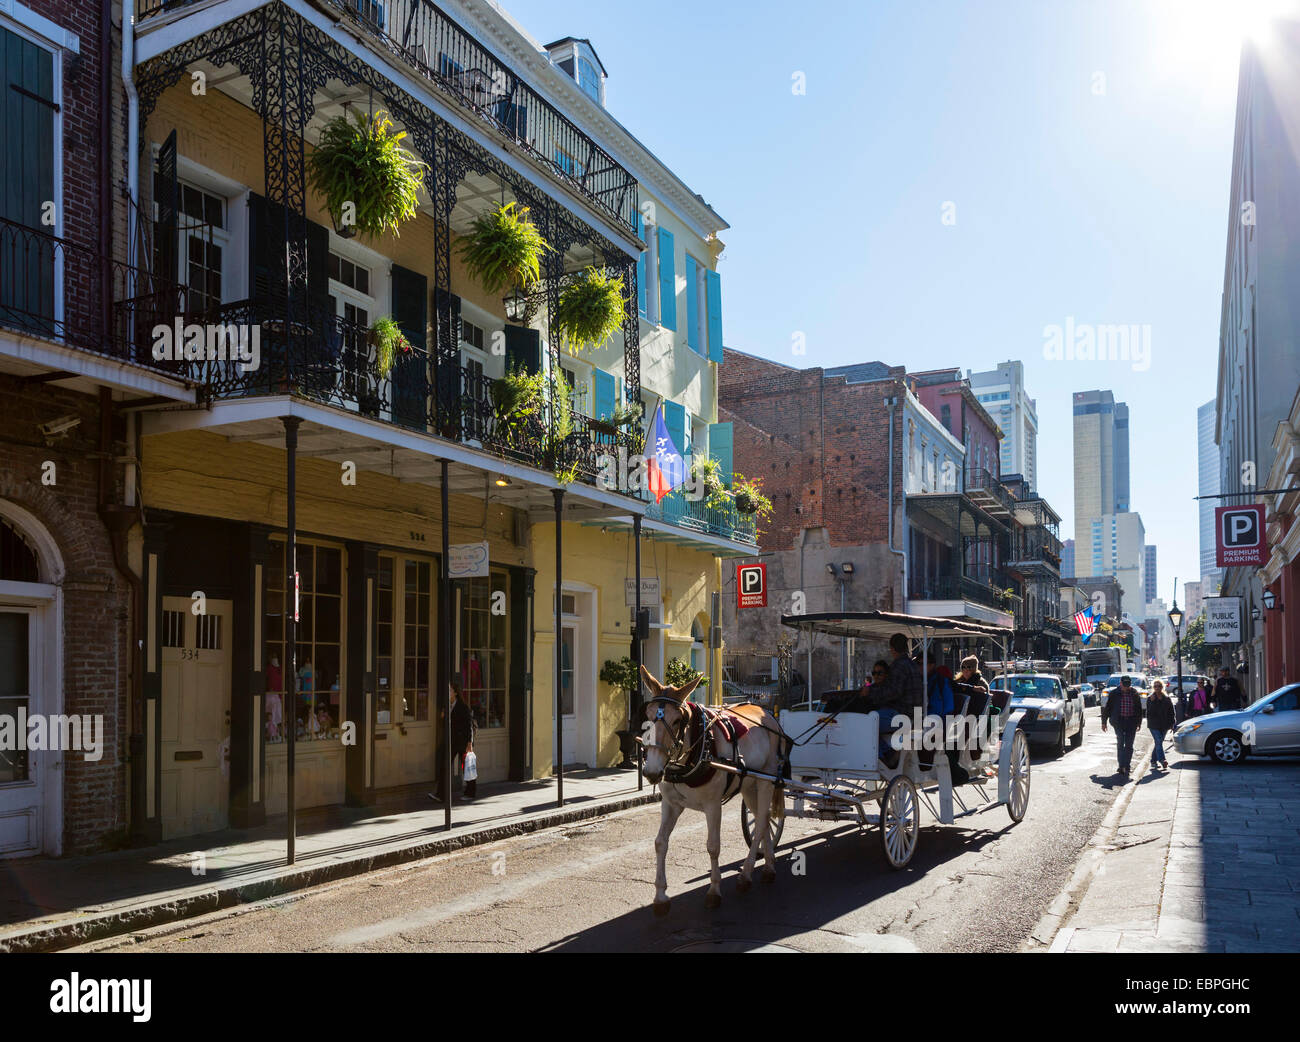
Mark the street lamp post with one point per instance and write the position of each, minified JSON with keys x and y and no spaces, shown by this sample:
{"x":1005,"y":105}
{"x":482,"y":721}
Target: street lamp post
{"x":1176,"y":620}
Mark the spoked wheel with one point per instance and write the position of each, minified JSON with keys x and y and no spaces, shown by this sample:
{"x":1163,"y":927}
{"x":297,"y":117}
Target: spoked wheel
{"x":775,"y":822}
{"x":900,"y":821}
{"x":1018,"y":797}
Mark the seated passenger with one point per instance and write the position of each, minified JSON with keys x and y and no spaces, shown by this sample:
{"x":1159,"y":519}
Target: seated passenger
{"x":902,"y":694}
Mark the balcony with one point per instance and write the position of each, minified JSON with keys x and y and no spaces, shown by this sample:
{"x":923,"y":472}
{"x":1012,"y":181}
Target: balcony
{"x":698,"y":516}
{"x":989,"y":493}
{"x":978,"y":588}
{"x":435,"y":47}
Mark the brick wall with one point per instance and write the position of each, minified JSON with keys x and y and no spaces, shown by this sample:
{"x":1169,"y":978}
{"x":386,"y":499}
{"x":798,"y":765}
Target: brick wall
{"x":819,"y":444}
{"x":95,"y":597}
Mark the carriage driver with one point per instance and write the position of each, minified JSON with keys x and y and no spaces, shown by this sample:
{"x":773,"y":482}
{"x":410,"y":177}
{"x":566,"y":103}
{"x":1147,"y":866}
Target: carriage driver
{"x":903,"y":693}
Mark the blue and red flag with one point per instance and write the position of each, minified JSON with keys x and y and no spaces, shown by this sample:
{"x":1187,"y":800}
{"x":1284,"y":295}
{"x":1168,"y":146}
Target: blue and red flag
{"x":1086,"y":621}
{"x":665,"y":468}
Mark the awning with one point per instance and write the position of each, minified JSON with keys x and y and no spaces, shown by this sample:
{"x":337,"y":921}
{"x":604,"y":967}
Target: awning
{"x":881,"y":625}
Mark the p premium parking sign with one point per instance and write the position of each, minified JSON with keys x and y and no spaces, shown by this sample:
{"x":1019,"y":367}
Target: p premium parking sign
{"x":751,"y":586}
{"x":1239,"y":536}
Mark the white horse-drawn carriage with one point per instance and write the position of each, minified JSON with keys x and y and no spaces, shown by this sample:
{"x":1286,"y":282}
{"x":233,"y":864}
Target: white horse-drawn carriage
{"x":830,"y":765}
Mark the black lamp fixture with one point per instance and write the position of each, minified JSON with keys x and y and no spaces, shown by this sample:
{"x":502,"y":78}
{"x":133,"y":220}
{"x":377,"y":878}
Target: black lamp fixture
{"x":1254,"y":614}
{"x":1175,"y":616}
{"x":516,"y":305}
{"x":1269,"y":599}
{"x":847,"y":567}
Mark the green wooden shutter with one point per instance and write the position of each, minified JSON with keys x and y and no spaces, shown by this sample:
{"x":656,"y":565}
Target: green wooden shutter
{"x":523,"y":349}
{"x":667,"y":281}
{"x":410,"y":374}
{"x":26,"y":182}
{"x":720,"y":442}
{"x":166,"y":196}
{"x":713,"y":285}
{"x":318,"y":277}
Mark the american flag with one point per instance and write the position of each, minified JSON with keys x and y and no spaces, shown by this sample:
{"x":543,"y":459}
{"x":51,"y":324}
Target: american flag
{"x":1086,"y":621}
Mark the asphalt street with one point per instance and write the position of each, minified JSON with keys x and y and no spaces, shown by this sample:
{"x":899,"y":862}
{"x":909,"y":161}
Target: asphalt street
{"x":978,"y":885}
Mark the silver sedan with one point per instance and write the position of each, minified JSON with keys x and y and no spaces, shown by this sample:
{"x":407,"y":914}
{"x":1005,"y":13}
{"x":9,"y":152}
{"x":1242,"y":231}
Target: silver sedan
{"x":1269,"y":726}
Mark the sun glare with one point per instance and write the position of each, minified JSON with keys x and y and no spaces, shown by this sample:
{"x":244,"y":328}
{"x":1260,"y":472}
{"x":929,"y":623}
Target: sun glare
{"x":1197,"y":43}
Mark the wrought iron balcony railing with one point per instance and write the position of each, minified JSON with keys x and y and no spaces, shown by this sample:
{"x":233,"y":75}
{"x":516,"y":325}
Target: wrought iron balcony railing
{"x":423,"y":36}
{"x":980,"y":588}
{"x":61,"y":291}
{"x":989,"y":492}
{"x":698,"y":516}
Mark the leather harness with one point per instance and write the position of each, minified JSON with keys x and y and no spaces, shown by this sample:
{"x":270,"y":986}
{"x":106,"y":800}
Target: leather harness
{"x":697,"y":735}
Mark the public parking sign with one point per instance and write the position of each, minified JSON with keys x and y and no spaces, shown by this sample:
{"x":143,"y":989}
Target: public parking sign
{"x":751,"y":586}
{"x":1240,"y":535}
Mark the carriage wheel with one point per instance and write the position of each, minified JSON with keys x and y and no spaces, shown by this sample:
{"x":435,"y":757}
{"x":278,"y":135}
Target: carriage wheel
{"x":775,"y":823}
{"x":900,"y":821}
{"x":1018,"y":797}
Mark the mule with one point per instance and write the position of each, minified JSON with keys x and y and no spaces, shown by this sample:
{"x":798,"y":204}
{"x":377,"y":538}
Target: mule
{"x":674,"y":735}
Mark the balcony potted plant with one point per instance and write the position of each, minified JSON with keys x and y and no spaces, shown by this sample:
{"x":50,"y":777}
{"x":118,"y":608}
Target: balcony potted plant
{"x":369,"y":180}
{"x":504,"y":249}
{"x":387,"y":339}
{"x":748,"y":497}
{"x":622,"y":416}
{"x":590,"y":310}
{"x":707,"y":471}
{"x":560,"y":428}
{"x":517,"y":400}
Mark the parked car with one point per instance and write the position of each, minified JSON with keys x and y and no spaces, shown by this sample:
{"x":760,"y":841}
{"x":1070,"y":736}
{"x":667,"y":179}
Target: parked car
{"x":1185,"y":684}
{"x":1269,"y":726}
{"x":1052,"y":714}
{"x":1112,"y":682}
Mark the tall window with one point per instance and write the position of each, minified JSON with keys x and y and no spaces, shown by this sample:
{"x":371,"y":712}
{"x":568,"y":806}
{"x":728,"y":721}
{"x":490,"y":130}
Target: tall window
{"x":404,"y":641}
{"x":319,"y":708}
{"x":484,"y":642}
{"x":202,"y":241}
{"x":589,"y":79}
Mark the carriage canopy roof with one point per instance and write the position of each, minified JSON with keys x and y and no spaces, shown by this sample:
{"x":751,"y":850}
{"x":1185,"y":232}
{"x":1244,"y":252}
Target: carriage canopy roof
{"x":881,"y":625}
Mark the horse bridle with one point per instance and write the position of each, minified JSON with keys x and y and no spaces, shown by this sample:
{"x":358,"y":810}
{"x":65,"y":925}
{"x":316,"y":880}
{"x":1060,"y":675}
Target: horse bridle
{"x":679,"y":735}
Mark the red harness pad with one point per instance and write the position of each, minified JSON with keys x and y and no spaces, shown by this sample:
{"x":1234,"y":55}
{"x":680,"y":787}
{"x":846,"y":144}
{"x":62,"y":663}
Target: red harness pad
{"x":733,"y":727}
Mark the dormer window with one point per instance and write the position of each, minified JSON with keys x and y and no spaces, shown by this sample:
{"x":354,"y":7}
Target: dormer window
{"x":589,"y":79}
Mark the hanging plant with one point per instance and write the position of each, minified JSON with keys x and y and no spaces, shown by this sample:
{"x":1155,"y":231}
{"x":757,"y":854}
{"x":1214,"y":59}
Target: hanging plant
{"x":517,"y":400}
{"x":364,"y":173}
{"x":748,"y":497}
{"x":590,"y":309}
{"x":388,"y":340}
{"x":504,"y":249}
{"x":625,"y":415}
{"x":706,"y":473}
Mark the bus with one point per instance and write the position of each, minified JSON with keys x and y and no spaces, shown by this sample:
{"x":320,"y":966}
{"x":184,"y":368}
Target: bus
{"x":1100,"y":663}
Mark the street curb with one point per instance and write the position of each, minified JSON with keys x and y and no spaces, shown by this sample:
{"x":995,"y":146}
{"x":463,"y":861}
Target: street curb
{"x":1051,"y":932}
{"x":55,"y":936}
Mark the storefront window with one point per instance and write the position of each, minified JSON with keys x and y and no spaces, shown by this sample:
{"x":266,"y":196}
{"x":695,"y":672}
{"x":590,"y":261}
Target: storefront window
{"x":319,"y":633}
{"x":484,"y":664}
{"x":415,"y":647}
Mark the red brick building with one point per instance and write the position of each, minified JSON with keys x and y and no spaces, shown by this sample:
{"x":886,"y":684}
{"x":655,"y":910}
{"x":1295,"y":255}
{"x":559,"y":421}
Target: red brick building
{"x":67,"y":378}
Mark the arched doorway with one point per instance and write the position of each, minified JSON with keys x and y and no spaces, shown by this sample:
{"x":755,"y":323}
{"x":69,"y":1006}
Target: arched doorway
{"x":31,"y":684}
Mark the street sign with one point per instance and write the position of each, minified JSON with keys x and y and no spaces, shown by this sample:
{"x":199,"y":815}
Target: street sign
{"x":1222,"y":620}
{"x":649,"y":592}
{"x":1239,"y":536}
{"x":751,"y":586}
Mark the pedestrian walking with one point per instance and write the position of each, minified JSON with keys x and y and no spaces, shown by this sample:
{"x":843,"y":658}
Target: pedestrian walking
{"x":1160,"y":720}
{"x":1227,"y":692}
{"x":1200,"y":700}
{"x":1124,"y":710}
{"x":462,"y":734}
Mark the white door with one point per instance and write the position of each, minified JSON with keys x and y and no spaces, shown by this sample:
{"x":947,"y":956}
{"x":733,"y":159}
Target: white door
{"x":195,"y":717}
{"x":20,"y":778}
{"x":568,"y":693}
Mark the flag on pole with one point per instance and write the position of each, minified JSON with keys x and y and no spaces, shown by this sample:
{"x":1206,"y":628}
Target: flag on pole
{"x":1086,"y":621}
{"x":666,"y":469}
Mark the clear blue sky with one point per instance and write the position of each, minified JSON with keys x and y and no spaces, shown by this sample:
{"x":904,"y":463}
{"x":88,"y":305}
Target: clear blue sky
{"x":1101,"y":207}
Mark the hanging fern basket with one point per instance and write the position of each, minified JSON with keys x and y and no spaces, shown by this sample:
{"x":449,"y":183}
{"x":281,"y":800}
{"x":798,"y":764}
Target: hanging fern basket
{"x":369,"y":180}
{"x":388,"y":341}
{"x":504,"y":249}
{"x":590,"y":309}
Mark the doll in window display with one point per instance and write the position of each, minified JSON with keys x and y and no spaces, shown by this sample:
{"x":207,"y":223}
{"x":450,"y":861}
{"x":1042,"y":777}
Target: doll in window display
{"x":274,"y":701}
{"x":306,"y":719}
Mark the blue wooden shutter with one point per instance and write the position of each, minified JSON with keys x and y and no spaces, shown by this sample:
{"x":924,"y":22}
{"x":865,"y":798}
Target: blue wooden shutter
{"x":692,"y":303}
{"x":675,"y":421}
{"x":605,"y":393}
{"x":640,"y":269}
{"x":720,"y":448}
{"x":667,"y":281}
{"x":714,"y":286}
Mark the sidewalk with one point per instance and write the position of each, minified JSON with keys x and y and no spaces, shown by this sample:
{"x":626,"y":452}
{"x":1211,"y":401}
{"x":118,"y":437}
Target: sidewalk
{"x":52,"y":903}
{"x":1203,"y":858}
